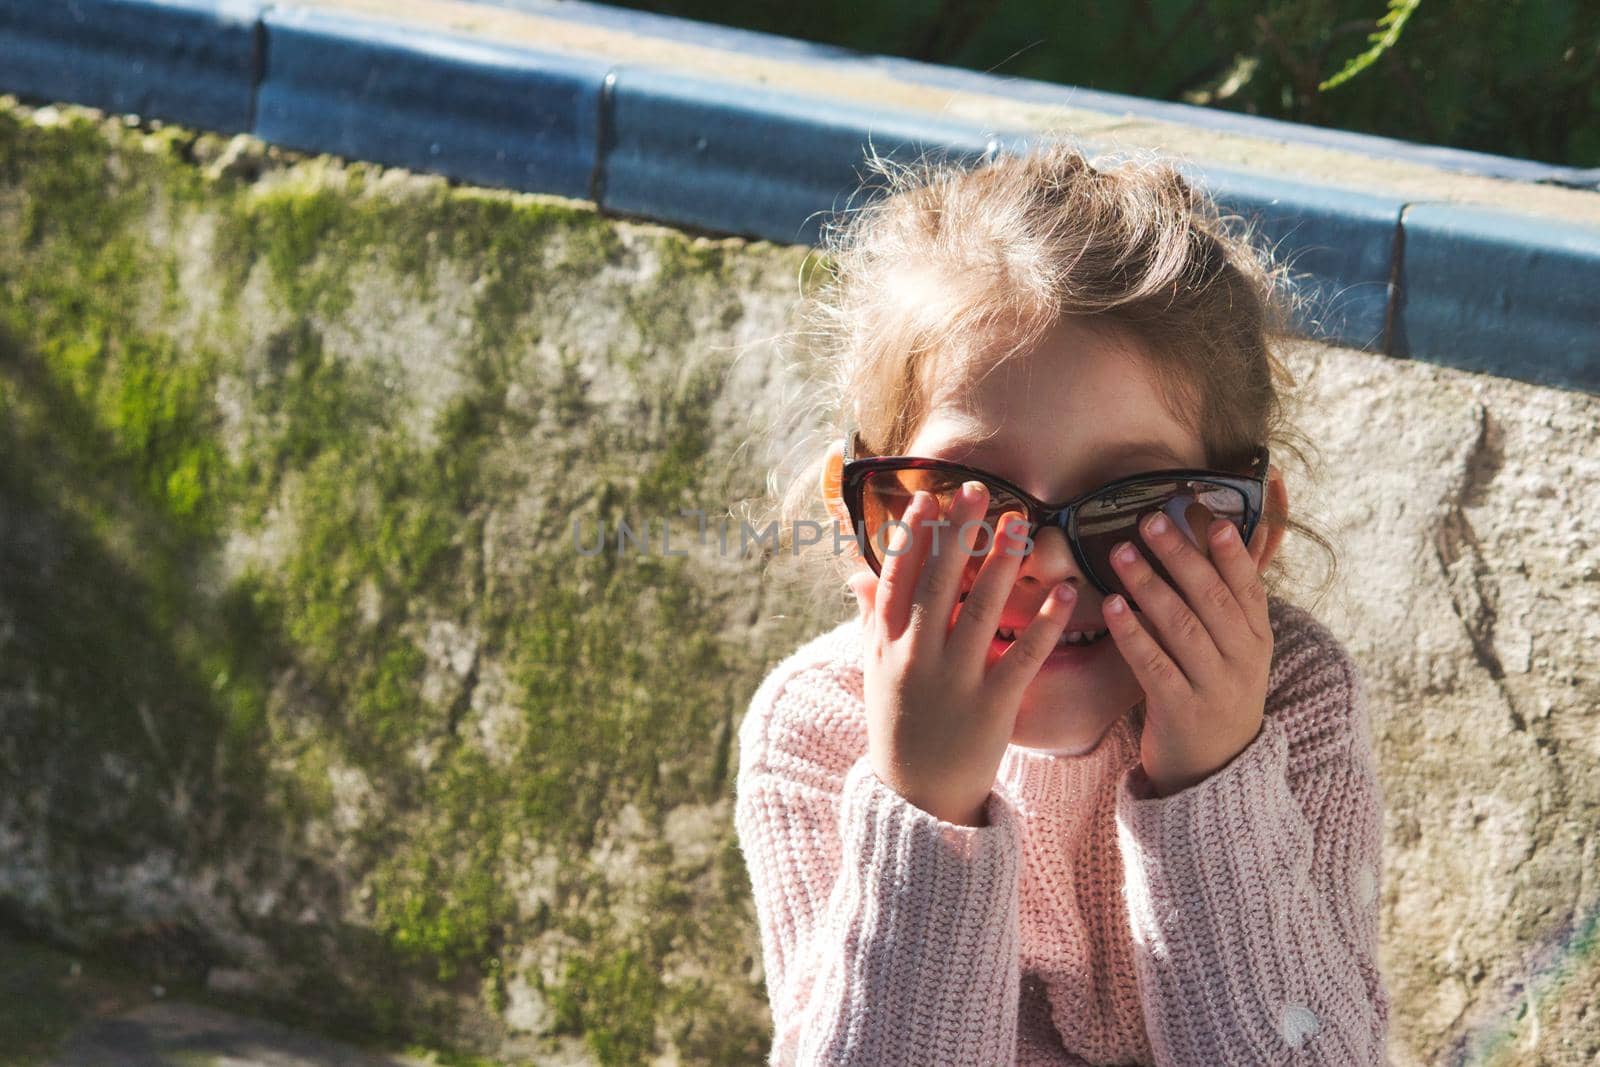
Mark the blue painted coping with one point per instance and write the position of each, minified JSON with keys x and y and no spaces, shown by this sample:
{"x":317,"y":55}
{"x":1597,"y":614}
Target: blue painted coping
{"x":726,"y":157}
{"x":754,"y":42}
{"x":1499,"y":293}
{"x":1338,"y":245}
{"x":187,"y":61}
{"x":483,"y":113}
{"x":721,"y":157}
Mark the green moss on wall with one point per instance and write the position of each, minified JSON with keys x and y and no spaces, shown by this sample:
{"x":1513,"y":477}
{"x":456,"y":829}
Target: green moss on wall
{"x":247,"y":516}
{"x":612,"y":1002}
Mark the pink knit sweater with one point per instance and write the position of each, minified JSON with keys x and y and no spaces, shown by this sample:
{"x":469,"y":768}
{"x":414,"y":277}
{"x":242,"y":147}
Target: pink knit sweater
{"x":1234,"y":922}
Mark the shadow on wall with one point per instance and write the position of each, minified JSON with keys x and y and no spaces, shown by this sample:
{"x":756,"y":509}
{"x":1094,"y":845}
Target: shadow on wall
{"x":137,"y":735}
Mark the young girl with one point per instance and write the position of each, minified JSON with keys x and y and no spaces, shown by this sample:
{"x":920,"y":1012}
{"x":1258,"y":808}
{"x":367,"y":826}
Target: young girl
{"x":1072,"y":788}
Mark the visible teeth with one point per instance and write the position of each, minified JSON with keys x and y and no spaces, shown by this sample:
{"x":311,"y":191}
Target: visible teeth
{"x":1076,"y":637}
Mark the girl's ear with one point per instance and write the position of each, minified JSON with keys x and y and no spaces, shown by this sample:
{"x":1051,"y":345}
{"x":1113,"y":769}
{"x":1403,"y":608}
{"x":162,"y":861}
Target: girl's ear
{"x":833,"y":484}
{"x":1270,"y":530}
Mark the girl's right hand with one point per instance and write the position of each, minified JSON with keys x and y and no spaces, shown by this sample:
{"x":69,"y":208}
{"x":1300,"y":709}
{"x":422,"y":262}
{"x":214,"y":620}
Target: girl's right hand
{"x":939,"y":716}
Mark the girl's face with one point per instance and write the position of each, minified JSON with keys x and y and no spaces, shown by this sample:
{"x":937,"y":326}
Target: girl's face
{"x":1079,"y":410}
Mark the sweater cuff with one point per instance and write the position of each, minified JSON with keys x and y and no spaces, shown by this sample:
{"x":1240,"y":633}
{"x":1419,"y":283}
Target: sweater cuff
{"x":1235,"y":943}
{"x":1209,"y":867}
{"x":1215,"y":832}
{"x":933,"y":941}
{"x":917,"y":853}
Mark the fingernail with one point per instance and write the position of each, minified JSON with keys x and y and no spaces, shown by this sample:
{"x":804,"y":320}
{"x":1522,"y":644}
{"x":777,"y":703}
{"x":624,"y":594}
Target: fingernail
{"x":1159,"y":524}
{"x":1125,"y":553}
{"x":1115,"y":605}
{"x":1064,"y":592}
{"x":1225,"y":533}
{"x":972,"y":489}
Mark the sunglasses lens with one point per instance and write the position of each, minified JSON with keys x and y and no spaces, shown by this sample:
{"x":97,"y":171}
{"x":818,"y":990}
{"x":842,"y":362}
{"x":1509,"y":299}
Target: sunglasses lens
{"x":1107,"y":520}
{"x":886,"y":494}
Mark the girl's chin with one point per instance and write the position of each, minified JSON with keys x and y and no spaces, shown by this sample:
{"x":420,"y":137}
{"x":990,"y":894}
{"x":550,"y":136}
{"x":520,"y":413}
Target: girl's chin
{"x":1074,"y":698}
{"x":1063,"y":732}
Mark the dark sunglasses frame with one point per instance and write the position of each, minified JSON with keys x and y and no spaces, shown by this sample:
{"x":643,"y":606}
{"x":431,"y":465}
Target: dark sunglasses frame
{"x":1252,"y":487}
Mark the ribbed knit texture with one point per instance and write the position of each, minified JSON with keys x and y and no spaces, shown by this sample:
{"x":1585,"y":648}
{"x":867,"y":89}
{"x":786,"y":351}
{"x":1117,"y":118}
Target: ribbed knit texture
{"x":1234,"y":922}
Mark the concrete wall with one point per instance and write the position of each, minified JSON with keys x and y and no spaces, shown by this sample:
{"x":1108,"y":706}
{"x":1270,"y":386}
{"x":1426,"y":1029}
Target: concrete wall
{"x":306,"y":697}
{"x":1471,"y":599}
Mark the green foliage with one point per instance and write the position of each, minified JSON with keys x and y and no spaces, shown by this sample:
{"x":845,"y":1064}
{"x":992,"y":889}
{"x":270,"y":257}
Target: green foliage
{"x":1515,"y":77}
{"x":1388,"y":33}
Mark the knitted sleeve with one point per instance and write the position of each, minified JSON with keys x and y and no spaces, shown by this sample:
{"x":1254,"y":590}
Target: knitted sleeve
{"x":1253,"y":895}
{"x":888,"y":936}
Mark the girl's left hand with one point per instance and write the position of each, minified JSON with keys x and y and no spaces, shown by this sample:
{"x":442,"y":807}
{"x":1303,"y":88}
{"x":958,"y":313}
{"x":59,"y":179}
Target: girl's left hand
{"x":1204,"y":670}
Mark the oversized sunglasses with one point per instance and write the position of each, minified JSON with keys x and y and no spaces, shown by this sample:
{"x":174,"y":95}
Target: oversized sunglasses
{"x":877,"y":490}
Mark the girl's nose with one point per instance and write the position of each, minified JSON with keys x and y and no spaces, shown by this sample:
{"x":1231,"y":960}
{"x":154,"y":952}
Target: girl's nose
{"x":1051,"y":561}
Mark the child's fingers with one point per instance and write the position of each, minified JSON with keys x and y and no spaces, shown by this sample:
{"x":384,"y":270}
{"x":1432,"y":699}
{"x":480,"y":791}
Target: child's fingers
{"x":1180,"y":629}
{"x":1017,"y":667}
{"x":1238,"y":569}
{"x":940,"y":581}
{"x":902,"y":562}
{"x":980,"y":612}
{"x":1208,"y":595}
{"x":1163,"y":683}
